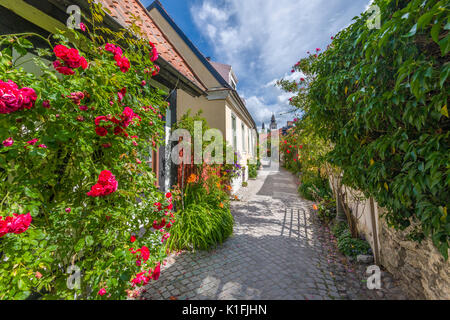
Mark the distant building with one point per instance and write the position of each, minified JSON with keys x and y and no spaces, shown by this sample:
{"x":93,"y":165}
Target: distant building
{"x":220,"y":102}
{"x":289,"y":125}
{"x":273,"y":123}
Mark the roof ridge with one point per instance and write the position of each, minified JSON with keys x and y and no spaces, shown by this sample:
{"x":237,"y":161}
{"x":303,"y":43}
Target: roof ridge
{"x":157,"y":4}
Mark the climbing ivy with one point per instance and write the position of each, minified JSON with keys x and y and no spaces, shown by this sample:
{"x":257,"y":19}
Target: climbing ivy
{"x":380,"y":97}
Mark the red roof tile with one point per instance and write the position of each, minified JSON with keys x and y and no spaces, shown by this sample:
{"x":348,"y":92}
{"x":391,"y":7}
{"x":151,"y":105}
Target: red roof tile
{"x":123,"y":10}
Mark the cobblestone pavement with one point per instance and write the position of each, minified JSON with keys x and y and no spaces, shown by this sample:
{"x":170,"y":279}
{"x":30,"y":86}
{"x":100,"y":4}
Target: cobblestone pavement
{"x":278,"y":251}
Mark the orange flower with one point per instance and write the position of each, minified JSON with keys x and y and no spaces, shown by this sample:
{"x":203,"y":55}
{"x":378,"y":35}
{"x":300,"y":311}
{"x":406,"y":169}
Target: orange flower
{"x":221,"y":205}
{"x":218,"y":185}
{"x":236,"y":198}
{"x":228,"y":187}
{"x":192,"y":178}
{"x":315,"y":207}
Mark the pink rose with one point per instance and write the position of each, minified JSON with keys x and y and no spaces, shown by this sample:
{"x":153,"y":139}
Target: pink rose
{"x":32,"y":142}
{"x":102,"y":292}
{"x":8,"y":142}
{"x":46,"y":104}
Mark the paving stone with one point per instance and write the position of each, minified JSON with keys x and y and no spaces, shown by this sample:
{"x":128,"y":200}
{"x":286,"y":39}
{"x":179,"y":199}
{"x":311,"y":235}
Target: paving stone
{"x":269,"y":256}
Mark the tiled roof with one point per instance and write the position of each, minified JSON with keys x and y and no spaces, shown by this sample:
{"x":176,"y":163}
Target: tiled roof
{"x":223,"y":69}
{"x":122,"y":10}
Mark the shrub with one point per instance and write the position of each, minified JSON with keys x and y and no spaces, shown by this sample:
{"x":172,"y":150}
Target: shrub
{"x":326,"y":210}
{"x":201,"y":226}
{"x":313,"y":187}
{"x":252,"y":171}
{"x":339,"y":228}
{"x":352,"y":246}
{"x":72,"y":157}
{"x":206,"y":219}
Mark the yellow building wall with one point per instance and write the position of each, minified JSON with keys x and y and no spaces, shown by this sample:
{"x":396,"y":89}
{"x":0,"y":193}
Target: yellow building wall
{"x":213,"y":111}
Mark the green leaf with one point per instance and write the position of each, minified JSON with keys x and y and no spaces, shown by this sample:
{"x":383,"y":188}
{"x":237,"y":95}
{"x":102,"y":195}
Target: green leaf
{"x":424,"y":19}
{"x":79,"y":246}
{"x":89,"y":241}
{"x":412,"y":32}
{"x":447,"y":26}
{"x":31,"y":193}
{"x":126,"y":276}
{"x":443,"y":249}
{"x":24,"y":43}
{"x":444,"y":111}
{"x":444,"y":44}
{"x":20,"y":50}
{"x":444,"y":74}
{"x":22,"y":285}
{"x":435,"y":32}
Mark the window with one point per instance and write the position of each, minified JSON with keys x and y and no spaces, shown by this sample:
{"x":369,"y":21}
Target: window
{"x":153,"y":162}
{"x":249,"y":149}
{"x":243,"y":138}
{"x":233,"y":127}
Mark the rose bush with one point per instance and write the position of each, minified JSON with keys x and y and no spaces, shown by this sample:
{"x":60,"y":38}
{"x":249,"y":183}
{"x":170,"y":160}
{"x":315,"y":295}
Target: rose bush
{"x":73,"y":188}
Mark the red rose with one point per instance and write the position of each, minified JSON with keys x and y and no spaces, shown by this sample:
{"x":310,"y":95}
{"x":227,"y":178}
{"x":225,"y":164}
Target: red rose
{"x":100,"y":118}
{"x":156,"y":272}
{"x":156,"y":71}
{"x":20,"y":223}
{"x":145,"y":253}
{"x":61,"y":51}
{"x":46,"y":104}
{"x":101,"y":131}
{"x":65,"y":71}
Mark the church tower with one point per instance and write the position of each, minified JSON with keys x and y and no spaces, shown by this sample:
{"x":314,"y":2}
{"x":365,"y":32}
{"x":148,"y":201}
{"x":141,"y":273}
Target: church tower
{"x":273,"y":123}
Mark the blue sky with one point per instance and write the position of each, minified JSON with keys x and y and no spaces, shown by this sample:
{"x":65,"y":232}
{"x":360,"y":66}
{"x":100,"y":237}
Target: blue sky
{"x":262,"y":39}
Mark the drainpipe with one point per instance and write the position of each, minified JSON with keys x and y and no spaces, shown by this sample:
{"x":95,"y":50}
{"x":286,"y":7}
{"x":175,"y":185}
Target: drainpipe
{"x":340,"y":213}
{"x":376,"y":252}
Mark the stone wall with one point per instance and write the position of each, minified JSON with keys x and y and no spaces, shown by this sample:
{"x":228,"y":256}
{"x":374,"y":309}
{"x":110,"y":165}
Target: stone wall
{"x":421,"y":268}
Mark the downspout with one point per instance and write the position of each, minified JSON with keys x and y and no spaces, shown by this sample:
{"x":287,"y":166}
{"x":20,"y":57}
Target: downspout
{"x":376,"y":252}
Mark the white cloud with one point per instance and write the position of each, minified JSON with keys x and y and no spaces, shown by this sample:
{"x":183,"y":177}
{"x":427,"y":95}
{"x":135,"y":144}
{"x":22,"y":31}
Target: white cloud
{"x":263,"y":39}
